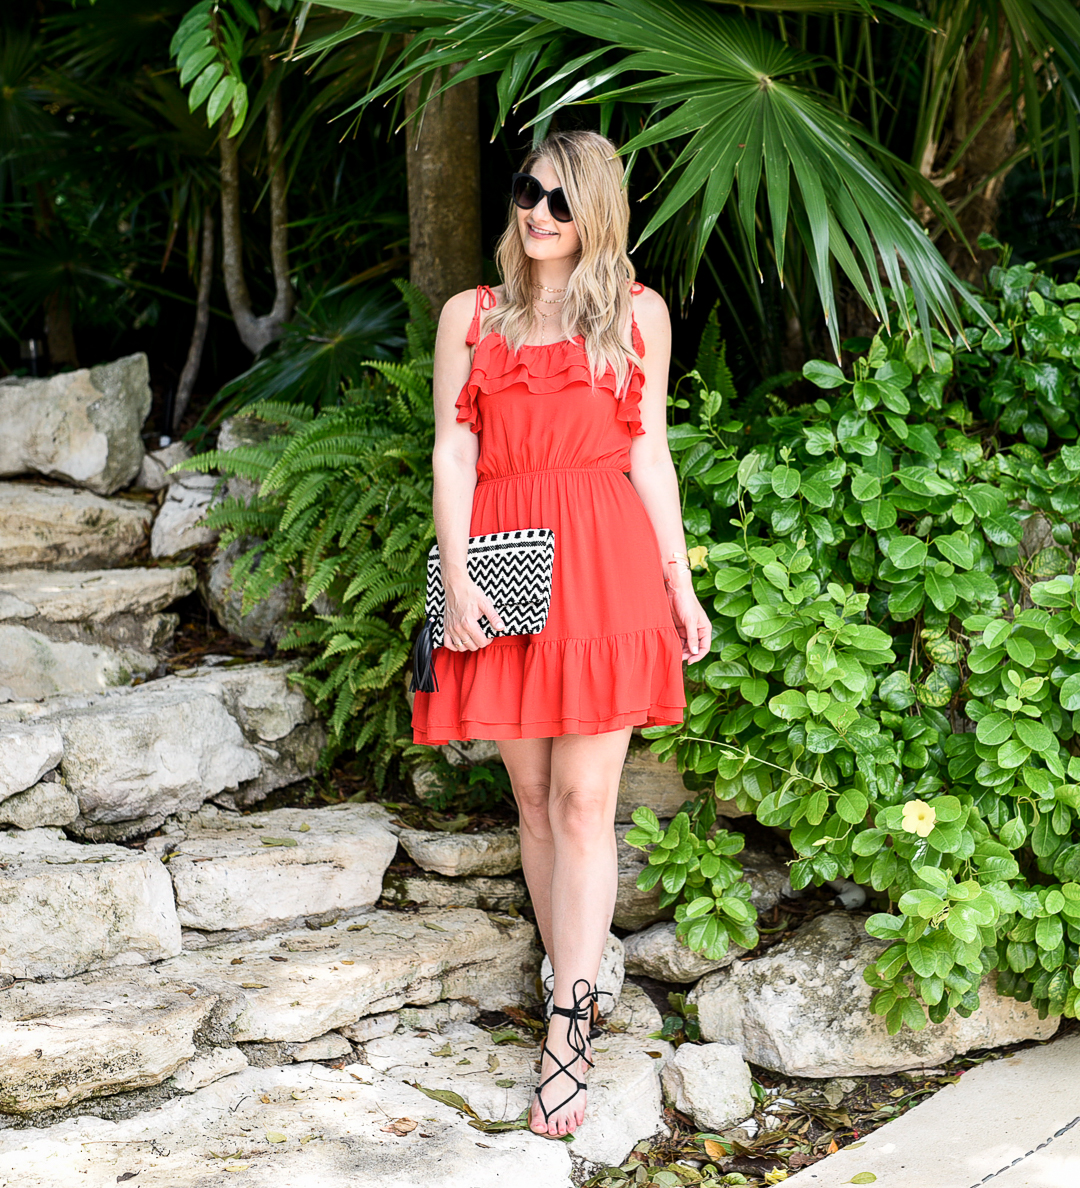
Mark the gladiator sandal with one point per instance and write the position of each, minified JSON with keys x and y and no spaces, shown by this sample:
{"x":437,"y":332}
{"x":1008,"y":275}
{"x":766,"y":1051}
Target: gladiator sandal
{"x":595,"y":1029}
{"x":581,"y":1012}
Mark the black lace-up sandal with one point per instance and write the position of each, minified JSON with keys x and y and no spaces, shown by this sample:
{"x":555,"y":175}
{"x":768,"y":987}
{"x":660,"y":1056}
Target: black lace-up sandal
{"x":596,"y":1029}
{"x":580,"y":1013}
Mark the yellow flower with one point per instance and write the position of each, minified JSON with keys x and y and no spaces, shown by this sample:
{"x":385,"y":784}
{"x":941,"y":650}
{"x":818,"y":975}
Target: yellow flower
{"x":919,"y":817}
{"x":697,"y":555}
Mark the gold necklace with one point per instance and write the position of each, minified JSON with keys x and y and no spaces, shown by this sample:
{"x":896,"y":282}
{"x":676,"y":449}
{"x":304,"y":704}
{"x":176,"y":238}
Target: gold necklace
{"x":546,"y":288}
{"x":545,"y":316}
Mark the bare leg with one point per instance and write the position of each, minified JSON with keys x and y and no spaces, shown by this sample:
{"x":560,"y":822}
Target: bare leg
{"x":584,"y":780}
{"x":528,"y":763}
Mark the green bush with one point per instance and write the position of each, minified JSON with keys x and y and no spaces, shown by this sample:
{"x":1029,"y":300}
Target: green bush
{"x":344,"y":507}
{"x":893,"y":679}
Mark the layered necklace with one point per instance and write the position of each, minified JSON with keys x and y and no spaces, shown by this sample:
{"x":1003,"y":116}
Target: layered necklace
{"x":546,"y":301}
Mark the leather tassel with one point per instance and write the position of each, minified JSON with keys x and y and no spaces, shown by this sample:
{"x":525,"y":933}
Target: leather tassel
{"x":423,"y":663}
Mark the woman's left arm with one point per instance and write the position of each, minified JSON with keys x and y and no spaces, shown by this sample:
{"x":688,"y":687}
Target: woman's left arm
{"x":653,"y":474}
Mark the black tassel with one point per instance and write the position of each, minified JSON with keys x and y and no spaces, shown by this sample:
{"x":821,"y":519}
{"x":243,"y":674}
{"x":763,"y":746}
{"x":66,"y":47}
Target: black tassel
{"x":423,"y":663}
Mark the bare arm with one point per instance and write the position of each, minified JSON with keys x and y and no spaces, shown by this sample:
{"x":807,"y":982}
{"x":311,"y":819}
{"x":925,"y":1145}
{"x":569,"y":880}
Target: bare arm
{"x":653,"y":474}
{"x":453,"y":463}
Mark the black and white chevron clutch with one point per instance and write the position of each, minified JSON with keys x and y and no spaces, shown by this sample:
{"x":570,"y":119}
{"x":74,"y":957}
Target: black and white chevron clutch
{"x":513,"y":569}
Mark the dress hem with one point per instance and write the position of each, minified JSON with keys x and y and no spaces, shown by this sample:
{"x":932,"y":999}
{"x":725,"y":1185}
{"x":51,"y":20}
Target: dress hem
{"x":492,"y":731}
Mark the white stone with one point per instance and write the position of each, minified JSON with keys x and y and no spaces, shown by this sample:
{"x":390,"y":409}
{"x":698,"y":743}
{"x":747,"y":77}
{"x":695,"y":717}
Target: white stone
{"x":1007,"y":1123}
{"x":431,"y":890}
{"x":635,"y":1014}
{"x":342,"y":1113}
{"x":117,"y":607}
{"x":33,"y":667}
{"x":658,"y":953}
{"x":645,"y":781}
{"x":95,"y":1034}
{"x":609,"y":978}
{"x":709,"y":1083}
{"x":803,"y":1010}
{"x":375,"y":1026}
{"x":47,"y":803}
{"x":267,"y":705}
{"x":330,"y":1046}
{"x":228,"y":874}
{"x":624,"y":1102}
{"x":66,"y":907}
{"x":434,"y":1017}
{"x":493,"y":852}
{"x":154,"y":473}
{"x":208,"y":1067}
{"x":336,"y":975}
{"x":80,"y":426}
{"x":465,"y":754}
{"x":68,"y":529}
{"x":179,"y":525}
{"x":27,"y":751}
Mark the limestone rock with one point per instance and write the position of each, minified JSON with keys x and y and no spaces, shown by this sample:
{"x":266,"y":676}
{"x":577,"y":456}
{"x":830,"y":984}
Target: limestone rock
{"x":375,"y":1026}
{"x":80,"y":426}
{"x":173,"y":1146}
{"x":646,"y":781}
{"x":767,"y":876}
{"x":657,"y":953}
{"x":46,"y":803}
{"x":803,"y":1010}
{"x":609,"y":978}
{"x":33,"y":667}
{"x":434,"y":1017}
{"x":498,"y":1082}
{"x":465,"y":754}
{"x":494,"y":852}
{"x":332,"y":977}
{"x":330,"y":1046}
{"x":154,"y":473}
{"x":709,"y":1083}
{"x":208,"y":1067}
{"x":120,"y":608}
{"x":95,"y":1034}
{"x":635,"y":1014}
{"x":267,"y":621}
{"x":66,"y":908}
{"x":67,"y":529}
{"x":431,"y":890}
{"x":234,"y":872}
{"x":27,"y":751}
{"x":179,"y":525}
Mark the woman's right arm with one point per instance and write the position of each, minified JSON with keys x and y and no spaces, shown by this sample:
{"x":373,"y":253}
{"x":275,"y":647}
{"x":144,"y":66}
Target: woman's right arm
{"x":453,"y":463}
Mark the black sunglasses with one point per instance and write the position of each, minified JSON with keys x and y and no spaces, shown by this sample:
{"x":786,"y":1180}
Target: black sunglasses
{"x":527,"y":193}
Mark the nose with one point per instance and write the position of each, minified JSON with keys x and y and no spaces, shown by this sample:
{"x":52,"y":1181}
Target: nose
{"x":541,"y":205}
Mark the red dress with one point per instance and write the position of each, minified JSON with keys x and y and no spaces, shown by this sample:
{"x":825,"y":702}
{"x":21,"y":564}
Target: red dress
{"x":554,"y":454}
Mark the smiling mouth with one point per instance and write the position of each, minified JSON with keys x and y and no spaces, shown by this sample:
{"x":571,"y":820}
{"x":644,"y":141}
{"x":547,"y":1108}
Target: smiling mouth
{"x":539,"y":231}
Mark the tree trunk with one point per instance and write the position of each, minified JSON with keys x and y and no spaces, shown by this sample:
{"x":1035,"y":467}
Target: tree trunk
{"x":202,"y":320}
{"x":58,"y":332}
{"x":256,"y":332}
{"x":443,"y":168}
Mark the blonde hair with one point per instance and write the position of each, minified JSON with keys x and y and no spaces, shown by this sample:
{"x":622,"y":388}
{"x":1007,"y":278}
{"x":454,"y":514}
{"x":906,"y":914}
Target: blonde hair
{"x":597,"y":298}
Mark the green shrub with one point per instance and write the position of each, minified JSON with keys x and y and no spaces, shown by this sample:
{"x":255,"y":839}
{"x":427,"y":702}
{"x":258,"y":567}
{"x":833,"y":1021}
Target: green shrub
{"x":344,"y":507}
{"x":892,"y":678}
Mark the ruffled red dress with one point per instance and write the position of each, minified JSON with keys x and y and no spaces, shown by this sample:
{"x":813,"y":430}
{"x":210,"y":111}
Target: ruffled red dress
{"x":554,"y":453}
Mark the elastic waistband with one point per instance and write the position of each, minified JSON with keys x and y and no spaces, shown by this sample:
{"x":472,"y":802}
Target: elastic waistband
{"x":501,"y":478}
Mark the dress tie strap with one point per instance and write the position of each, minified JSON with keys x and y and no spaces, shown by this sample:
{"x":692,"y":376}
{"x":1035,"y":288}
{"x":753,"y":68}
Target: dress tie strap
{"x":485,"y":299}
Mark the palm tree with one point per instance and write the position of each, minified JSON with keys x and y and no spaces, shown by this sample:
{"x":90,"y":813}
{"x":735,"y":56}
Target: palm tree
{"x":844,"y":140}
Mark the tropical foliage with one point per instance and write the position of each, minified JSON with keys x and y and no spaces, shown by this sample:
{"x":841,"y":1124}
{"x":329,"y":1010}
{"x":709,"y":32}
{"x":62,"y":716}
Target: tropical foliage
{"x":895,"y":669}
{"x":344,"y":507}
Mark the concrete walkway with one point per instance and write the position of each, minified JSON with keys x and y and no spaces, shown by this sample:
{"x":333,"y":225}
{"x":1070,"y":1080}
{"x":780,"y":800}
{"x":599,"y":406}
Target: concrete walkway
{"x":1009,"y":1123}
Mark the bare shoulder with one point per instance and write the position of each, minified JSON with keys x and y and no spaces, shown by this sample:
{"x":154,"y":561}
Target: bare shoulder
{"x":651,"y":315}
{"x":457,"y":312}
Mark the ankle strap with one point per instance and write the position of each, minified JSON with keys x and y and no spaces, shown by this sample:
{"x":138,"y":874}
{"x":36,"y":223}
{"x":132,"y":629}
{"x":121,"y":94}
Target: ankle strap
{"x":582,"y":1008}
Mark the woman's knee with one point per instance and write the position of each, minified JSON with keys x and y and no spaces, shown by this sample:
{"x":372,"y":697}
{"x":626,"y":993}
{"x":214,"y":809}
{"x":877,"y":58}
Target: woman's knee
{"x":583,"y":813}
{"x":532,"y":800}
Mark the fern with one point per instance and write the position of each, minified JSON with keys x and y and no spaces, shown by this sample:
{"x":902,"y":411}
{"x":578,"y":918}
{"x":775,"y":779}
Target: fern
{"x":343,"y":507}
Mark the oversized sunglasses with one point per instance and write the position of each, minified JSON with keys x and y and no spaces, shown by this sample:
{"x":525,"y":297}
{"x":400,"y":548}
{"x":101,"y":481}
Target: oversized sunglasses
{"x":527,"y":193}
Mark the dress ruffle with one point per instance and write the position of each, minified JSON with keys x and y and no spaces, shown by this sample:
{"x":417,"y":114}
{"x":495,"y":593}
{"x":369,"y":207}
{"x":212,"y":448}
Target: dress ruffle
{"x":545,"y":371}
{"x":591,"y":681}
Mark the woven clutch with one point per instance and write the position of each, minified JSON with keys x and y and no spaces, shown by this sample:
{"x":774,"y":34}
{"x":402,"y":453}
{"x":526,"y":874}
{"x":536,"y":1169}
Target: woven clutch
{"x":513,"y":569}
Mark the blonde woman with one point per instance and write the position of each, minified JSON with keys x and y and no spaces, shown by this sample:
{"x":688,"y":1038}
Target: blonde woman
{"x":550,"y":403}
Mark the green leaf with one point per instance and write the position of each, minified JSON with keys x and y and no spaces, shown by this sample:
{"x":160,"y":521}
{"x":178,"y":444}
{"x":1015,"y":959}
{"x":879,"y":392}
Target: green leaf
{"x":851,"y":806}
{"x":204,"y":84}
{"x":994,"y":729}
{"x":865,"y":486}
{"x":785,"y":481}
{"x":1070,"y":693}
{"x":906,"y":552}
{"x":823,"y":374}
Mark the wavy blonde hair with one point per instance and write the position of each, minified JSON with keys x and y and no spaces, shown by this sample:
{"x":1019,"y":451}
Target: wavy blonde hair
{"x":598,"y":291}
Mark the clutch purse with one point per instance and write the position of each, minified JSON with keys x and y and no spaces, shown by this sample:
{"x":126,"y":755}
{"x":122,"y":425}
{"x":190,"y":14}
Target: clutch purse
{"x":513,"y":569}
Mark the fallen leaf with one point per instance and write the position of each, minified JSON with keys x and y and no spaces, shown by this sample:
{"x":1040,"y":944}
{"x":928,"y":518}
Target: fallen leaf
{"x":399,"y":1126}
{"x":863,"y":1178}
{"x":448,"y":1097}
{"x":655,"y":1055}
{"x":265,"y":1099}
{"x":304,"y":827}
{"x":506,"y":1036}
{"x":254,"y":985}
{"x":275,"y":957}
{"x":484,"y":1145}
{"x":433,"y":927}
{"x":506,"y":1084}
{"x":126,"y":1176}
{"x":897,"y":1093}
{"x":833,"y":1147}
{"x":237,"y":961}
{"x":852,"y":1146}
{"x":356,"y":927}
{"x":348,"y":962}
{"x":275,"y":1136}
{"x":493,"y":1062}
{"x":715,"y":1149}
{"x":279,"y":841}
{"x":234,"y":1167}
{"x":445,"y":1050}
{"x":296,"y":1095}
{"x":464,"y":1061}
{"x":309,"y":1137}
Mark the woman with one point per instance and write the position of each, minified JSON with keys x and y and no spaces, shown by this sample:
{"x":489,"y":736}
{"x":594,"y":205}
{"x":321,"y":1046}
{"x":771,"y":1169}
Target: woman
{"x":551,"y":408}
